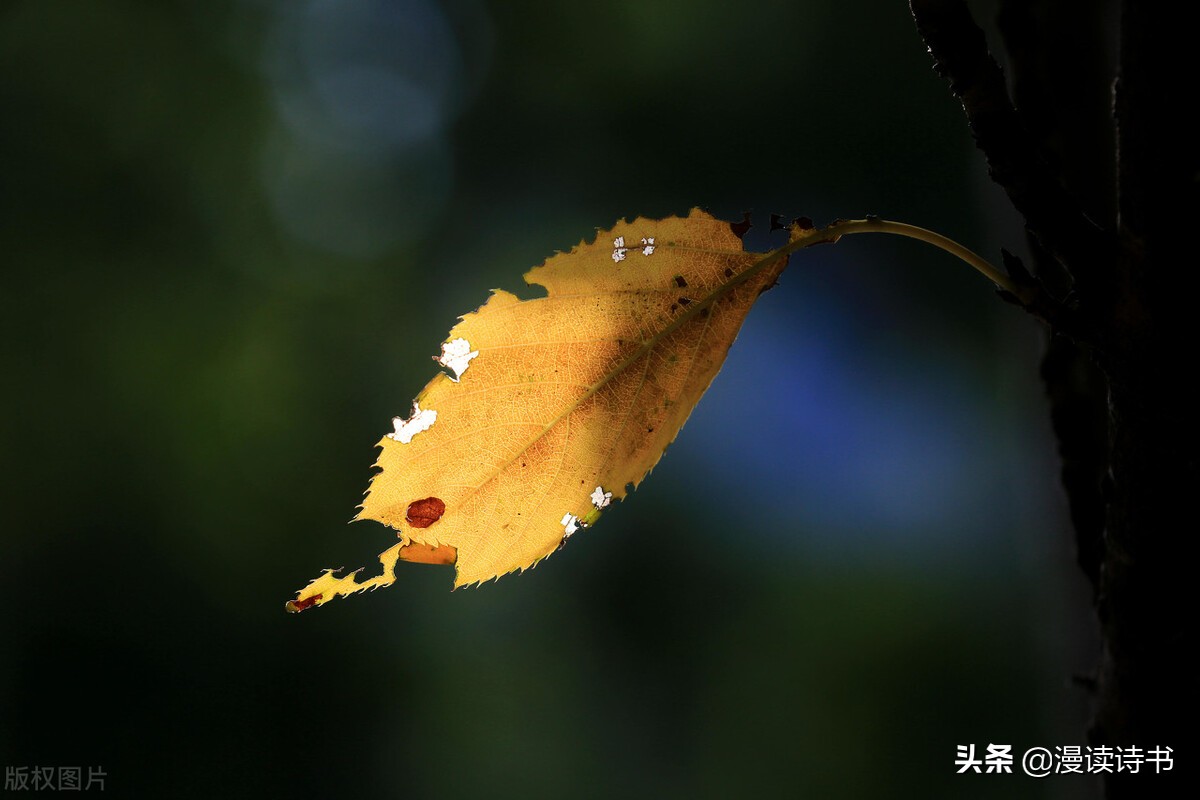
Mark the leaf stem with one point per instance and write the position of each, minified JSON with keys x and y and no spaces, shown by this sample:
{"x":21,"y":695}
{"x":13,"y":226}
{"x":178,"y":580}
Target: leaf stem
{"x":841,"y":228}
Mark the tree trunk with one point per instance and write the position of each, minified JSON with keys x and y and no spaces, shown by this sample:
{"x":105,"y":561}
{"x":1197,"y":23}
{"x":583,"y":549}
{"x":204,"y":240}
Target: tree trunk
{"x":1147,"y":684}
{"x":1118,"y":296}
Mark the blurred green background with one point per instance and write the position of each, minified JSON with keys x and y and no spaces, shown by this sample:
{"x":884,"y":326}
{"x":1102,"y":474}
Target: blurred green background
{"x":233,"y":234}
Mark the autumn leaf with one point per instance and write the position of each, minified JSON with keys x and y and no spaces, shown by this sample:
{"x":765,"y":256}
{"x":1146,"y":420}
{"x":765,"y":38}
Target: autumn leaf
{"x":552,"y":408}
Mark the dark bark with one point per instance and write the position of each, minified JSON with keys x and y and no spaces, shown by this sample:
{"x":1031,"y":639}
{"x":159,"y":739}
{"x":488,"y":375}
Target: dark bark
{"x":1060,"y":66}
{"x":1130,"y":471}
{"x":1147,"y":680}
{"x":1054,"y":217}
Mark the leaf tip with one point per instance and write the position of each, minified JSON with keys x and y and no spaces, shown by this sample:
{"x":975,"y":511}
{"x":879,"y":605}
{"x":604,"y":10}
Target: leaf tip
{"x":298,"y":605}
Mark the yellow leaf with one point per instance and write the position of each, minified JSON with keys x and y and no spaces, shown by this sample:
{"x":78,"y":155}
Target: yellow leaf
{"x":552,"y":408}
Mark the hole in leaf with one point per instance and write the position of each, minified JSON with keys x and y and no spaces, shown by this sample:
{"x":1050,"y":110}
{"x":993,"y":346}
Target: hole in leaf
{"x":739,"y":228}
{"x":428,"y":554}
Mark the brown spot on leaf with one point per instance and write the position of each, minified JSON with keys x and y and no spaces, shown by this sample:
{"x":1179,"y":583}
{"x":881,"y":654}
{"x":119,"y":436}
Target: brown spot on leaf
{"x":704,"y":313}
{"x":423,"y":513}
{"x":739,"y":228}
{"x":728,"y":272}
{"x":680,"y":282}
{"x":296,"y":606}
{"x":683,"y":301}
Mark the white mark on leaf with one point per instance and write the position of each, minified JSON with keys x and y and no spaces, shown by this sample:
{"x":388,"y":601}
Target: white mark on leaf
{"x":647,"y":245}
{"x":570,"y":524}
{"x":419,"y":420}
{"x":601,"y":498}
{"x":619,"y":249}
{"x":456,"y":356}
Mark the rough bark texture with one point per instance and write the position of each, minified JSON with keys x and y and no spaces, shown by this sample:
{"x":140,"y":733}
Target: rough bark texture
{"x":1147,"y":681}
{"x":1060,"y":67}
{"x":1112,"y":266}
